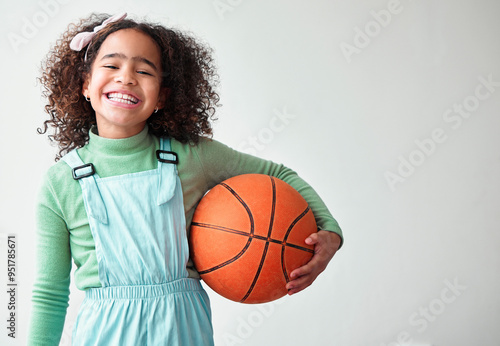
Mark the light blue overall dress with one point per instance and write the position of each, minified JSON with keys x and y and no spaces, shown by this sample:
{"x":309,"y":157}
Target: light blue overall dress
{"x":138,"y":224}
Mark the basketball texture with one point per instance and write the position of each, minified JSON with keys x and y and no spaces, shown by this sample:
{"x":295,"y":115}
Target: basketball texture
{"x":248,"y":234}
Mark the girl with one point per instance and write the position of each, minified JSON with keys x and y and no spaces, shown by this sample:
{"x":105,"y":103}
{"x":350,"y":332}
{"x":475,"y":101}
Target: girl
{"x":131,"y":105}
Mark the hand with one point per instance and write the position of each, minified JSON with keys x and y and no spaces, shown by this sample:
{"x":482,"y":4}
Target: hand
{"x":326,"y":244}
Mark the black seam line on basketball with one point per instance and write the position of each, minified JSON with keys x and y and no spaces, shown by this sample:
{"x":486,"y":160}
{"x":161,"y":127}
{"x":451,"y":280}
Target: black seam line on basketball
{"x":229,"y":261}
{"x":255,"y":236}
{"x":292,"y":225}
{"x":209,"y":270}
{"x":266,"y":247}
{"x":249,"y":241}
{"x":247,"y":208}
{"x":223,"y":229}
{"x":273,"y":209}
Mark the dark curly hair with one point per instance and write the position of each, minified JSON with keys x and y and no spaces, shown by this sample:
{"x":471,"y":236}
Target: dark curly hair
{"x":189,"y":80}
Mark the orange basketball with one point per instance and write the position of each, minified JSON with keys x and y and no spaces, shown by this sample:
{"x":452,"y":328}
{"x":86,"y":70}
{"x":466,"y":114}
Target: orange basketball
{"x":248,"y":234}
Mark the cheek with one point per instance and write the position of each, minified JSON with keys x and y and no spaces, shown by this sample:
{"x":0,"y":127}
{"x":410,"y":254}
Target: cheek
{"x":96,"y":83}
{"x":154,"y":92}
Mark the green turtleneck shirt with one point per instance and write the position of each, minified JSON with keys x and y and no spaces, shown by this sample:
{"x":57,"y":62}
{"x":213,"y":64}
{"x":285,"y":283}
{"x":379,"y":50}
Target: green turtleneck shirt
{"x":63,"y":231}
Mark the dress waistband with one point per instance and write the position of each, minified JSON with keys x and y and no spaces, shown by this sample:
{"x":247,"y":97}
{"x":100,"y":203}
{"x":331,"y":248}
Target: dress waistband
{"x":143,"y":291}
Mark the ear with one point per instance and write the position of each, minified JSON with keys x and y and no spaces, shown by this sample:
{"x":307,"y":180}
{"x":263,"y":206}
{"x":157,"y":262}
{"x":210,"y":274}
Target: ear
{"x":86,"y":85}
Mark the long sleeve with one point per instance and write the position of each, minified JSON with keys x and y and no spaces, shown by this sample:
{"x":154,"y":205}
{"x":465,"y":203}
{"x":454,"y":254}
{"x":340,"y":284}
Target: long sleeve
{"x":220,"y":162}
{"x":53,"y":260}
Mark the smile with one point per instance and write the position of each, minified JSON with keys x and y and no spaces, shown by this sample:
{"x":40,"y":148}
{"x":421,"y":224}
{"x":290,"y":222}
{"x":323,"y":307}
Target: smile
{"x":123,"y":98}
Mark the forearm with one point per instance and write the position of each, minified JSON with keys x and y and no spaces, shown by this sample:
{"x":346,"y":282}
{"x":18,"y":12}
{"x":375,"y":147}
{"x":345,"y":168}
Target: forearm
{"x":221,"y":162}
{"x":51,"y":286}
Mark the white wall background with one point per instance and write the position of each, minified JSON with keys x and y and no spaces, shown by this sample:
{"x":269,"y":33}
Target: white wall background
{"x":393,"y":120}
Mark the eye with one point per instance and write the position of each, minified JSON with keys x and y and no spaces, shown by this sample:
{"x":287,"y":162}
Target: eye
{"x":144,"y":72}
{"x":112,"y":67}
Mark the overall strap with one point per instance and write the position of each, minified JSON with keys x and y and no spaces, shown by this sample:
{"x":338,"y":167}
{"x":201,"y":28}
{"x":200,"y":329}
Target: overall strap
{"x":86,"y":175}
{"x":167,"y":161}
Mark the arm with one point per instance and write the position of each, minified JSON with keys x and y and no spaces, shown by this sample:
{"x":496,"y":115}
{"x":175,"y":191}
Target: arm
{"x":53,"y":267}
{"x":221,"y":162}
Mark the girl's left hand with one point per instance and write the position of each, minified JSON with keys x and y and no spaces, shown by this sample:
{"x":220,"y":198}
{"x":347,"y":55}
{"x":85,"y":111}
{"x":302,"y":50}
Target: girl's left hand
{"x":326,"y":244}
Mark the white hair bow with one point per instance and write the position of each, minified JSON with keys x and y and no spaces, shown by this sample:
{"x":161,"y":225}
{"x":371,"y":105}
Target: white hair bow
{"x":83,"y":38}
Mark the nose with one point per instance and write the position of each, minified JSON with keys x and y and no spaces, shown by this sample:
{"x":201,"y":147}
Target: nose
{"x":125,"y":76}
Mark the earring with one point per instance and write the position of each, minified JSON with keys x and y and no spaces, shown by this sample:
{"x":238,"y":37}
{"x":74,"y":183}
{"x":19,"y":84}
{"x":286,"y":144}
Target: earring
{"x":156,"y":110}
{"x":86,"y":99}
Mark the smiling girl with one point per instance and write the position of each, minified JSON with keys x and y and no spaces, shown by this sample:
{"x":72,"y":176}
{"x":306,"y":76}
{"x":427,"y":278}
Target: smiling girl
{"x":131,"y":104}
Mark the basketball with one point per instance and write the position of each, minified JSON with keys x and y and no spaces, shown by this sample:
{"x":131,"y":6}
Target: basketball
{"x":247,"y":236}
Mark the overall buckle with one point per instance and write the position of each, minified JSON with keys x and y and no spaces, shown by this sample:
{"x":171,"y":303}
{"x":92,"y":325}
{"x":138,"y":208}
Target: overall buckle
{"x":173,"y":156}
{"x":77,"y":176}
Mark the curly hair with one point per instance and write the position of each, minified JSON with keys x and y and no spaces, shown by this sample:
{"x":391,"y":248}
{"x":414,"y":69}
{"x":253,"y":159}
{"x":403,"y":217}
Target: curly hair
{"x":189,"y":79}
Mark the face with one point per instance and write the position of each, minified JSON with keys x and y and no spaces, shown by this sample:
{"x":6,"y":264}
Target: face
{"x":124,"y":83}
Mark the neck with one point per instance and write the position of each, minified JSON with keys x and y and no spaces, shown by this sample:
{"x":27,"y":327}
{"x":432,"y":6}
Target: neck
{"x":119,"y":132}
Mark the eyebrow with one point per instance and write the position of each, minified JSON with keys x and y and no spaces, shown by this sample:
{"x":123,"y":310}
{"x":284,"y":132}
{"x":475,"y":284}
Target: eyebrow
{"x":135,"y":58}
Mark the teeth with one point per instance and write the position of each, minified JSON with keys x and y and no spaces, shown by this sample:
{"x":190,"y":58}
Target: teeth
{"x":123,"y":98}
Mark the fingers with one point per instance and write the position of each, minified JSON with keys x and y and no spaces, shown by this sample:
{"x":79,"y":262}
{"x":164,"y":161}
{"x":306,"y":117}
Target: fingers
{"x":304,"y":276}
{"x":299,"y":284}
{"x":312,"y":239}
{"x":325,"y":245}
{"x":306,"y":269}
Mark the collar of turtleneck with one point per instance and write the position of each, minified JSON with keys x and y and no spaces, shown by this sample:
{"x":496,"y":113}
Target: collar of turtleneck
{"x":122,"y":146}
